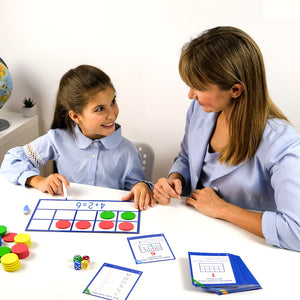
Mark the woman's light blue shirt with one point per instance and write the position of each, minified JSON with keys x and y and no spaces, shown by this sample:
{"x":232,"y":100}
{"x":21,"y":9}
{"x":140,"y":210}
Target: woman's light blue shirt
{"x":111,"y":161}
{"x":268,"y":182}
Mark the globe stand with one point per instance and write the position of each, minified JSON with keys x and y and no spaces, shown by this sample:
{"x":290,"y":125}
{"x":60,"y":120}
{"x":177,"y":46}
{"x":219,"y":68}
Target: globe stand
{"x":4,"y":124}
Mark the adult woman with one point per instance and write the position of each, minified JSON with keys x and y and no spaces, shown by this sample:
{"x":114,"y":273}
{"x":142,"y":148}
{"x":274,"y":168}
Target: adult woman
{"x":240,"y":157}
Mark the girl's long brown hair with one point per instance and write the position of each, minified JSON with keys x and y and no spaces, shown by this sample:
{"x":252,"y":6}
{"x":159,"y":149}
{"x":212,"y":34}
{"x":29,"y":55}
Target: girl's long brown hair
{"x":76,"y":88}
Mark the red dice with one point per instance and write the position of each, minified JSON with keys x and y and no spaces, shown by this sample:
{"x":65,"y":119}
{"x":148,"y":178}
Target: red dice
{"x":86,"y":258}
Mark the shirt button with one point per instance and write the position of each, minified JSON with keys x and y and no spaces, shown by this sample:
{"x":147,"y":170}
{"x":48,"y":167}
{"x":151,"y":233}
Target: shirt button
{"x":93,"y":156}
{"x":216,"y":189}
{"x":95,"y":144}
{"x":90,"y":183}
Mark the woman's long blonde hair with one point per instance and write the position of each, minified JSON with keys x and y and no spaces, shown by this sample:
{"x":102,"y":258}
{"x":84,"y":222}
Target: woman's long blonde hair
{"x":225,"y":56}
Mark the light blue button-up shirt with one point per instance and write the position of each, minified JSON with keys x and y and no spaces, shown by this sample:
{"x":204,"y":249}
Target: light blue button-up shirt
{"x":268,"y":182}
{"x":111,"y":161}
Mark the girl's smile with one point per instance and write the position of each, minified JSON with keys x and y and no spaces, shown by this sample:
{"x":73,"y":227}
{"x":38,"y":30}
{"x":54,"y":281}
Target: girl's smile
{"x":109,"y":126}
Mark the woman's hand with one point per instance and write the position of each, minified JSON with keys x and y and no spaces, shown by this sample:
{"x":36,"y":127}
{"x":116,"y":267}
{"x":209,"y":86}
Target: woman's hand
{"x":51,"y":184}
{"x":207,"y":202}
{"x":142,"y":196}
{"x":165,"y":189}
{"x":210,"y":204}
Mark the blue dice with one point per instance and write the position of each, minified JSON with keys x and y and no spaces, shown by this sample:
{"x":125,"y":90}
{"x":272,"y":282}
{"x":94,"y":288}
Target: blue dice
{"x":77,"y":265}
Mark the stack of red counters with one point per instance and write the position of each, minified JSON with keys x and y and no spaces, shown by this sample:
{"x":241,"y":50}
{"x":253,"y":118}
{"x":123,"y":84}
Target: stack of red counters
{"x":21,"y":250}
{"x":9,"y":237}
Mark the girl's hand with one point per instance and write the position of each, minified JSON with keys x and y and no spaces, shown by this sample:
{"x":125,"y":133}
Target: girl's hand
{"x":51,"y":184}
{"x":165,"y":189}
{"x":142,"y":196}
{"x":207,"y":202}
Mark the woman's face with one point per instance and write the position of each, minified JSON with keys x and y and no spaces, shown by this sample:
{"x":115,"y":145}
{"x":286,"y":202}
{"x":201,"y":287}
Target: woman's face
{"x":213,"y":99}
{"x":98,"y":117}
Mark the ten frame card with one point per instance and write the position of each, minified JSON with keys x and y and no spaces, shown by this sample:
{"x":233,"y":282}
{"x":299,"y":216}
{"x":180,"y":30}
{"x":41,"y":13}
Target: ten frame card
{"x":50,"y":211}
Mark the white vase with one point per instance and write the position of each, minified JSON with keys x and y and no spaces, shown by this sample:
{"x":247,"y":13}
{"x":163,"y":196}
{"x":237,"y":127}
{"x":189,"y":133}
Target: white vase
{"x":28,"y":112}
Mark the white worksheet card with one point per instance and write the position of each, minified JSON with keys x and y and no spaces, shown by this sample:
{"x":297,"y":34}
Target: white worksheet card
{"x":212,"y":269}
{"x":150,"y":248}
{"x":113,"y":282}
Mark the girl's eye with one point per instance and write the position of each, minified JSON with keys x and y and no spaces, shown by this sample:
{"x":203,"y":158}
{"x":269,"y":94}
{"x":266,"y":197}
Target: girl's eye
{"x":113,"y":102}
{"x":99,"y":108}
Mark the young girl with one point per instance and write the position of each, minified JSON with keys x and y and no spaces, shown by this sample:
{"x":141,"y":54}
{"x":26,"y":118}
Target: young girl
{"x":240,"y":157}
{"x":85,"y":143}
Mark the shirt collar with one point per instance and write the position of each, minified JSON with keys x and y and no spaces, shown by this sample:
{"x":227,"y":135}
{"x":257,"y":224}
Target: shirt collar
{"x":109,"y":142}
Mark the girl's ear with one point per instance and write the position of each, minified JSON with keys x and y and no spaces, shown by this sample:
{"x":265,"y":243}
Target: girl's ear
{"x":74,"y":116}
{"x":237,"y":90}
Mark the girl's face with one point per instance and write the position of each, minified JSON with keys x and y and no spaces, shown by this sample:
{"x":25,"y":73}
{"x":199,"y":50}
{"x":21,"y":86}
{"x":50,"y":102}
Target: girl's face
{"x":213,"y":99}
{"x":98,"y":117}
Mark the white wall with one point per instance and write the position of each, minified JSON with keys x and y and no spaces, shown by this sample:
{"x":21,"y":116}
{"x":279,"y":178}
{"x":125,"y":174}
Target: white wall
{"x":138,"y":44}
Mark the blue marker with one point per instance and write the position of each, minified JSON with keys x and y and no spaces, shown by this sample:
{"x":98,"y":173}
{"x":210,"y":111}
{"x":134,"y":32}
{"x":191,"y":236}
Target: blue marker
{"x":25,"y":209}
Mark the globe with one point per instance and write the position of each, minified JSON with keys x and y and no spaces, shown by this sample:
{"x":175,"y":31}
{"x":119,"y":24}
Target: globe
{"x":5,"y":90}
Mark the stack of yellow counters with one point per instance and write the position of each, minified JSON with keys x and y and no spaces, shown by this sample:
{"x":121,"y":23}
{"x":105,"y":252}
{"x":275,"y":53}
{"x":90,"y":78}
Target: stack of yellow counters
{"x":10,"y":262}
{"x":23,"y":238}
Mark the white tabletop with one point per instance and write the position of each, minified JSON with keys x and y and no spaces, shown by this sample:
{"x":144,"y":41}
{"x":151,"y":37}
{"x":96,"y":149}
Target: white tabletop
{"x":48,"y":272}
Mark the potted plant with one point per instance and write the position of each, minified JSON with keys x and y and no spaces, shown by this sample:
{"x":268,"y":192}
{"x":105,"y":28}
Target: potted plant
{"x":28,"y":110}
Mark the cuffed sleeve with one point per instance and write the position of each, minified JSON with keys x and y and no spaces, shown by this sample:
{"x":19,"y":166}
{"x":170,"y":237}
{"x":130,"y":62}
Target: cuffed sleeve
{"x":16,"y":167}
{"x":281,"y":231}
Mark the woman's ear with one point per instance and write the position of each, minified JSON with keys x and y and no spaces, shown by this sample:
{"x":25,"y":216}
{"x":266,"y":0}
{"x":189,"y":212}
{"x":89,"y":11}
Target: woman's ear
{"x":74,"y":116}
{"x":237,"y":90}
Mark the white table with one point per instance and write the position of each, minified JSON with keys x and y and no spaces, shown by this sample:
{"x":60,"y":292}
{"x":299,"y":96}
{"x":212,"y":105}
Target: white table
{"x":48,"y":272}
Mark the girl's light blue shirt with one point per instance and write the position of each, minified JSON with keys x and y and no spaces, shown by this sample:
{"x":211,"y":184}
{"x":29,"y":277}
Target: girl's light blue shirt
{"x":268,"y":182}
{"x":111,"y":161}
